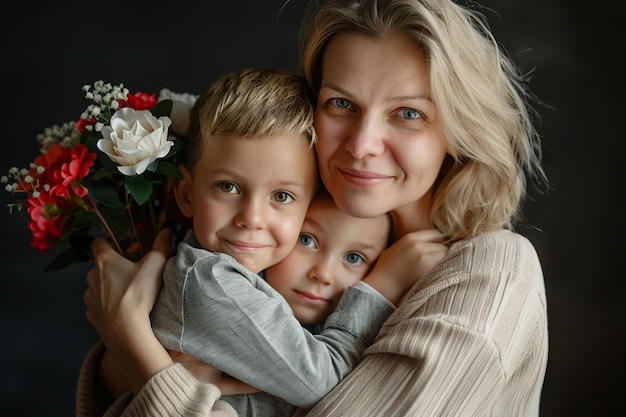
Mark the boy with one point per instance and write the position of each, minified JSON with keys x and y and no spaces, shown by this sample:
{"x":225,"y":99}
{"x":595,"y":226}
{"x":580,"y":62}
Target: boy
{"x":248,"y":180}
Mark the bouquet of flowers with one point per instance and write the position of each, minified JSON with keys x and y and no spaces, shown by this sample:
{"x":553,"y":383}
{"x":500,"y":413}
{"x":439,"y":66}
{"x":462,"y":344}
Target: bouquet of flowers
{"x":110,"y":172}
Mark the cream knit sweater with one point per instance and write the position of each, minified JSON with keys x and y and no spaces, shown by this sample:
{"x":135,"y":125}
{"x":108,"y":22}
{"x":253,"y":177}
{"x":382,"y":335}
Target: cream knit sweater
{"x":470,"y":339}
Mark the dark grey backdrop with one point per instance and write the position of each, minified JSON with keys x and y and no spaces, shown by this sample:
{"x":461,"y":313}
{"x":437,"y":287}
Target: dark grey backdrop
{"x":50,"y":50}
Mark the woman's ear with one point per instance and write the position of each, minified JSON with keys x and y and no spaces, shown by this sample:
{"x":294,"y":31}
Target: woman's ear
{"x":182,"y":192}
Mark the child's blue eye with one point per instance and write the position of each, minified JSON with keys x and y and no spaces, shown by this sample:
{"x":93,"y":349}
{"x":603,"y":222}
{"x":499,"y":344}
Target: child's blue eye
{"x":306,"y":240}
{"x":354,"y":258}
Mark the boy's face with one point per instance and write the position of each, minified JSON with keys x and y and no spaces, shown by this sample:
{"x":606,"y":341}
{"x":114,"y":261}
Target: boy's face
{"x":248,"y":197}
{"x":334,"y":251}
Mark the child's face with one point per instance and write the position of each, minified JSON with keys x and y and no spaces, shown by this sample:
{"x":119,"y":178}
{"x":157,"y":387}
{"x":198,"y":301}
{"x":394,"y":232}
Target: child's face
{"x":248,"y":197}
{"x":334,"y":251}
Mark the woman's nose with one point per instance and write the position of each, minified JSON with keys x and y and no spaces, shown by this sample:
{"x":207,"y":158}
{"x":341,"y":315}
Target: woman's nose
{"x":365,"y":138}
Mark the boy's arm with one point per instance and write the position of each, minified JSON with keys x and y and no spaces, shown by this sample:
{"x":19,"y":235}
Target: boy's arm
{"x":236,"y":322}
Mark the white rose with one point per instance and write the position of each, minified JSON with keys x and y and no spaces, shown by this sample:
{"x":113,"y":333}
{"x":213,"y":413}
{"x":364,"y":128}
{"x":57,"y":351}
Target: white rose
{"x":181,"y":109}
{"x":135,"y":139}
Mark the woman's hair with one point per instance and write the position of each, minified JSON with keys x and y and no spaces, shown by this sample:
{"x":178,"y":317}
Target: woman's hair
{"x":481,"y":100}
{"x":251,"y":103}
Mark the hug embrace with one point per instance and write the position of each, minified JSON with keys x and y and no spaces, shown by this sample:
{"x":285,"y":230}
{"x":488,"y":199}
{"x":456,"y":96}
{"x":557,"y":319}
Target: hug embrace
{"x":408,"y":128}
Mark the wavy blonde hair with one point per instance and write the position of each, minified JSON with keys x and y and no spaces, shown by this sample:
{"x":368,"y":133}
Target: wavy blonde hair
{"x":481,"y":99}
{"x":251,"y":103}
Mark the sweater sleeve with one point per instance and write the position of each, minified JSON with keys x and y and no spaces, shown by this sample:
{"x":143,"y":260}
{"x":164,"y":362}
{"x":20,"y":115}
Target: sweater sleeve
{"x":233,"y":320}
{"x":470,"y":339}
{"x":185,"y":396}
{"x":171,"y":392}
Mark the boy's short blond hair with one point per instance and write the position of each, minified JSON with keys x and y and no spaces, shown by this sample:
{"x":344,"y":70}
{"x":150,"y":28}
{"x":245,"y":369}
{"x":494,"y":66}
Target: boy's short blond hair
{"x":251,"y":103}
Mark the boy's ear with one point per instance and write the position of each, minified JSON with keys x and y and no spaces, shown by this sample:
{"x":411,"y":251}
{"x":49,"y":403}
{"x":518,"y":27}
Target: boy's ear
{"x":182,"y":192}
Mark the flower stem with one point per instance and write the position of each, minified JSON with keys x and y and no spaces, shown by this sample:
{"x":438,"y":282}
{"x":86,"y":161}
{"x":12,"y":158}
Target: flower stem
{"x":104,"y":223}
{"x":133,"y":226}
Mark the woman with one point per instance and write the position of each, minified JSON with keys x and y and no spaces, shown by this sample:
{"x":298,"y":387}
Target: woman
{"x":421,"y":115}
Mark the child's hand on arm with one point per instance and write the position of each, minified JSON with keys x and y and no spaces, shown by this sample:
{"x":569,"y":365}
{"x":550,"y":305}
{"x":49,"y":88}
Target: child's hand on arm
{"x":401,"y":265}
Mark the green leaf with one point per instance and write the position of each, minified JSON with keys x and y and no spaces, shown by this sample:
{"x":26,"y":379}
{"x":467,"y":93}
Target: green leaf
{"x":106,"y":171}
{"x":64,"y":260}
{"x":103,"y":194}
{"x":163,"y":108}
{"x":117,"y":220}
{"x":170,"y":170}
{"x":139,"y":188}
{"x":85,"y":218}
{"x":90,"y":141}
{"x":179,"y":144}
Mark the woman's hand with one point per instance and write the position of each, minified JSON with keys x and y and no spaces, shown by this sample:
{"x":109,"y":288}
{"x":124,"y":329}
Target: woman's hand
{"x":401,"y":265}
{"x":207,"y":373}
{"x":120,"y":295}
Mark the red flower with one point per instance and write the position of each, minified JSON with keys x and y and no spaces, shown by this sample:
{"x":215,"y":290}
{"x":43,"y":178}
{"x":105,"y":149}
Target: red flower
{"x":48,"y":214}
{"x":64,"y":167}
{"x":82,"y":123}
{"x":141,"y":101}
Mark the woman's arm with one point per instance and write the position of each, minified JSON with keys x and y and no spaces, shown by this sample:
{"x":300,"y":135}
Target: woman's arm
{"x":119,"y":297}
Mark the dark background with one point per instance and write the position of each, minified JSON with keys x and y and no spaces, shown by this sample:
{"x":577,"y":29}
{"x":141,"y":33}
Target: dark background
{"x":49,"y":50}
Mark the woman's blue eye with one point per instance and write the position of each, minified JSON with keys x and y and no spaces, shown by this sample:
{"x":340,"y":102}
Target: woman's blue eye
{"x":410,"y":114}
{"x":342,"y":103}
{"x":283,"y":197}
{"x":227,"y":187}
{"x":354,"y":258}
{"x":306,"y":240}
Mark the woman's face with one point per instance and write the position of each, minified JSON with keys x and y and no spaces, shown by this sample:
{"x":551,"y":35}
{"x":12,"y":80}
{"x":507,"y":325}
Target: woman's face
{"x":380,"y":147}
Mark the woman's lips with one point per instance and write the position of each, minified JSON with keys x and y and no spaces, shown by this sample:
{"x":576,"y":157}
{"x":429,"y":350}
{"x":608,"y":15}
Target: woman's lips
{"x":362,"y":178}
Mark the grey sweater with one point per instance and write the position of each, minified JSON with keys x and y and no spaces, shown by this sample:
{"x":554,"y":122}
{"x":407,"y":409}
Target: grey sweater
{"x":216,"y":310}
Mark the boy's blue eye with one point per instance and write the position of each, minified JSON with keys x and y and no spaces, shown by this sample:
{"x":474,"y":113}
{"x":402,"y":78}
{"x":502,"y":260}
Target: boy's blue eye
{"x":306,"y":240}
{"x":354,"y":258}
{"x":227,"y":187}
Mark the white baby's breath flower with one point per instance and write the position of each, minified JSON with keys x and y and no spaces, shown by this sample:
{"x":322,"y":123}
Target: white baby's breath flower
{"x":135,"y":139}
